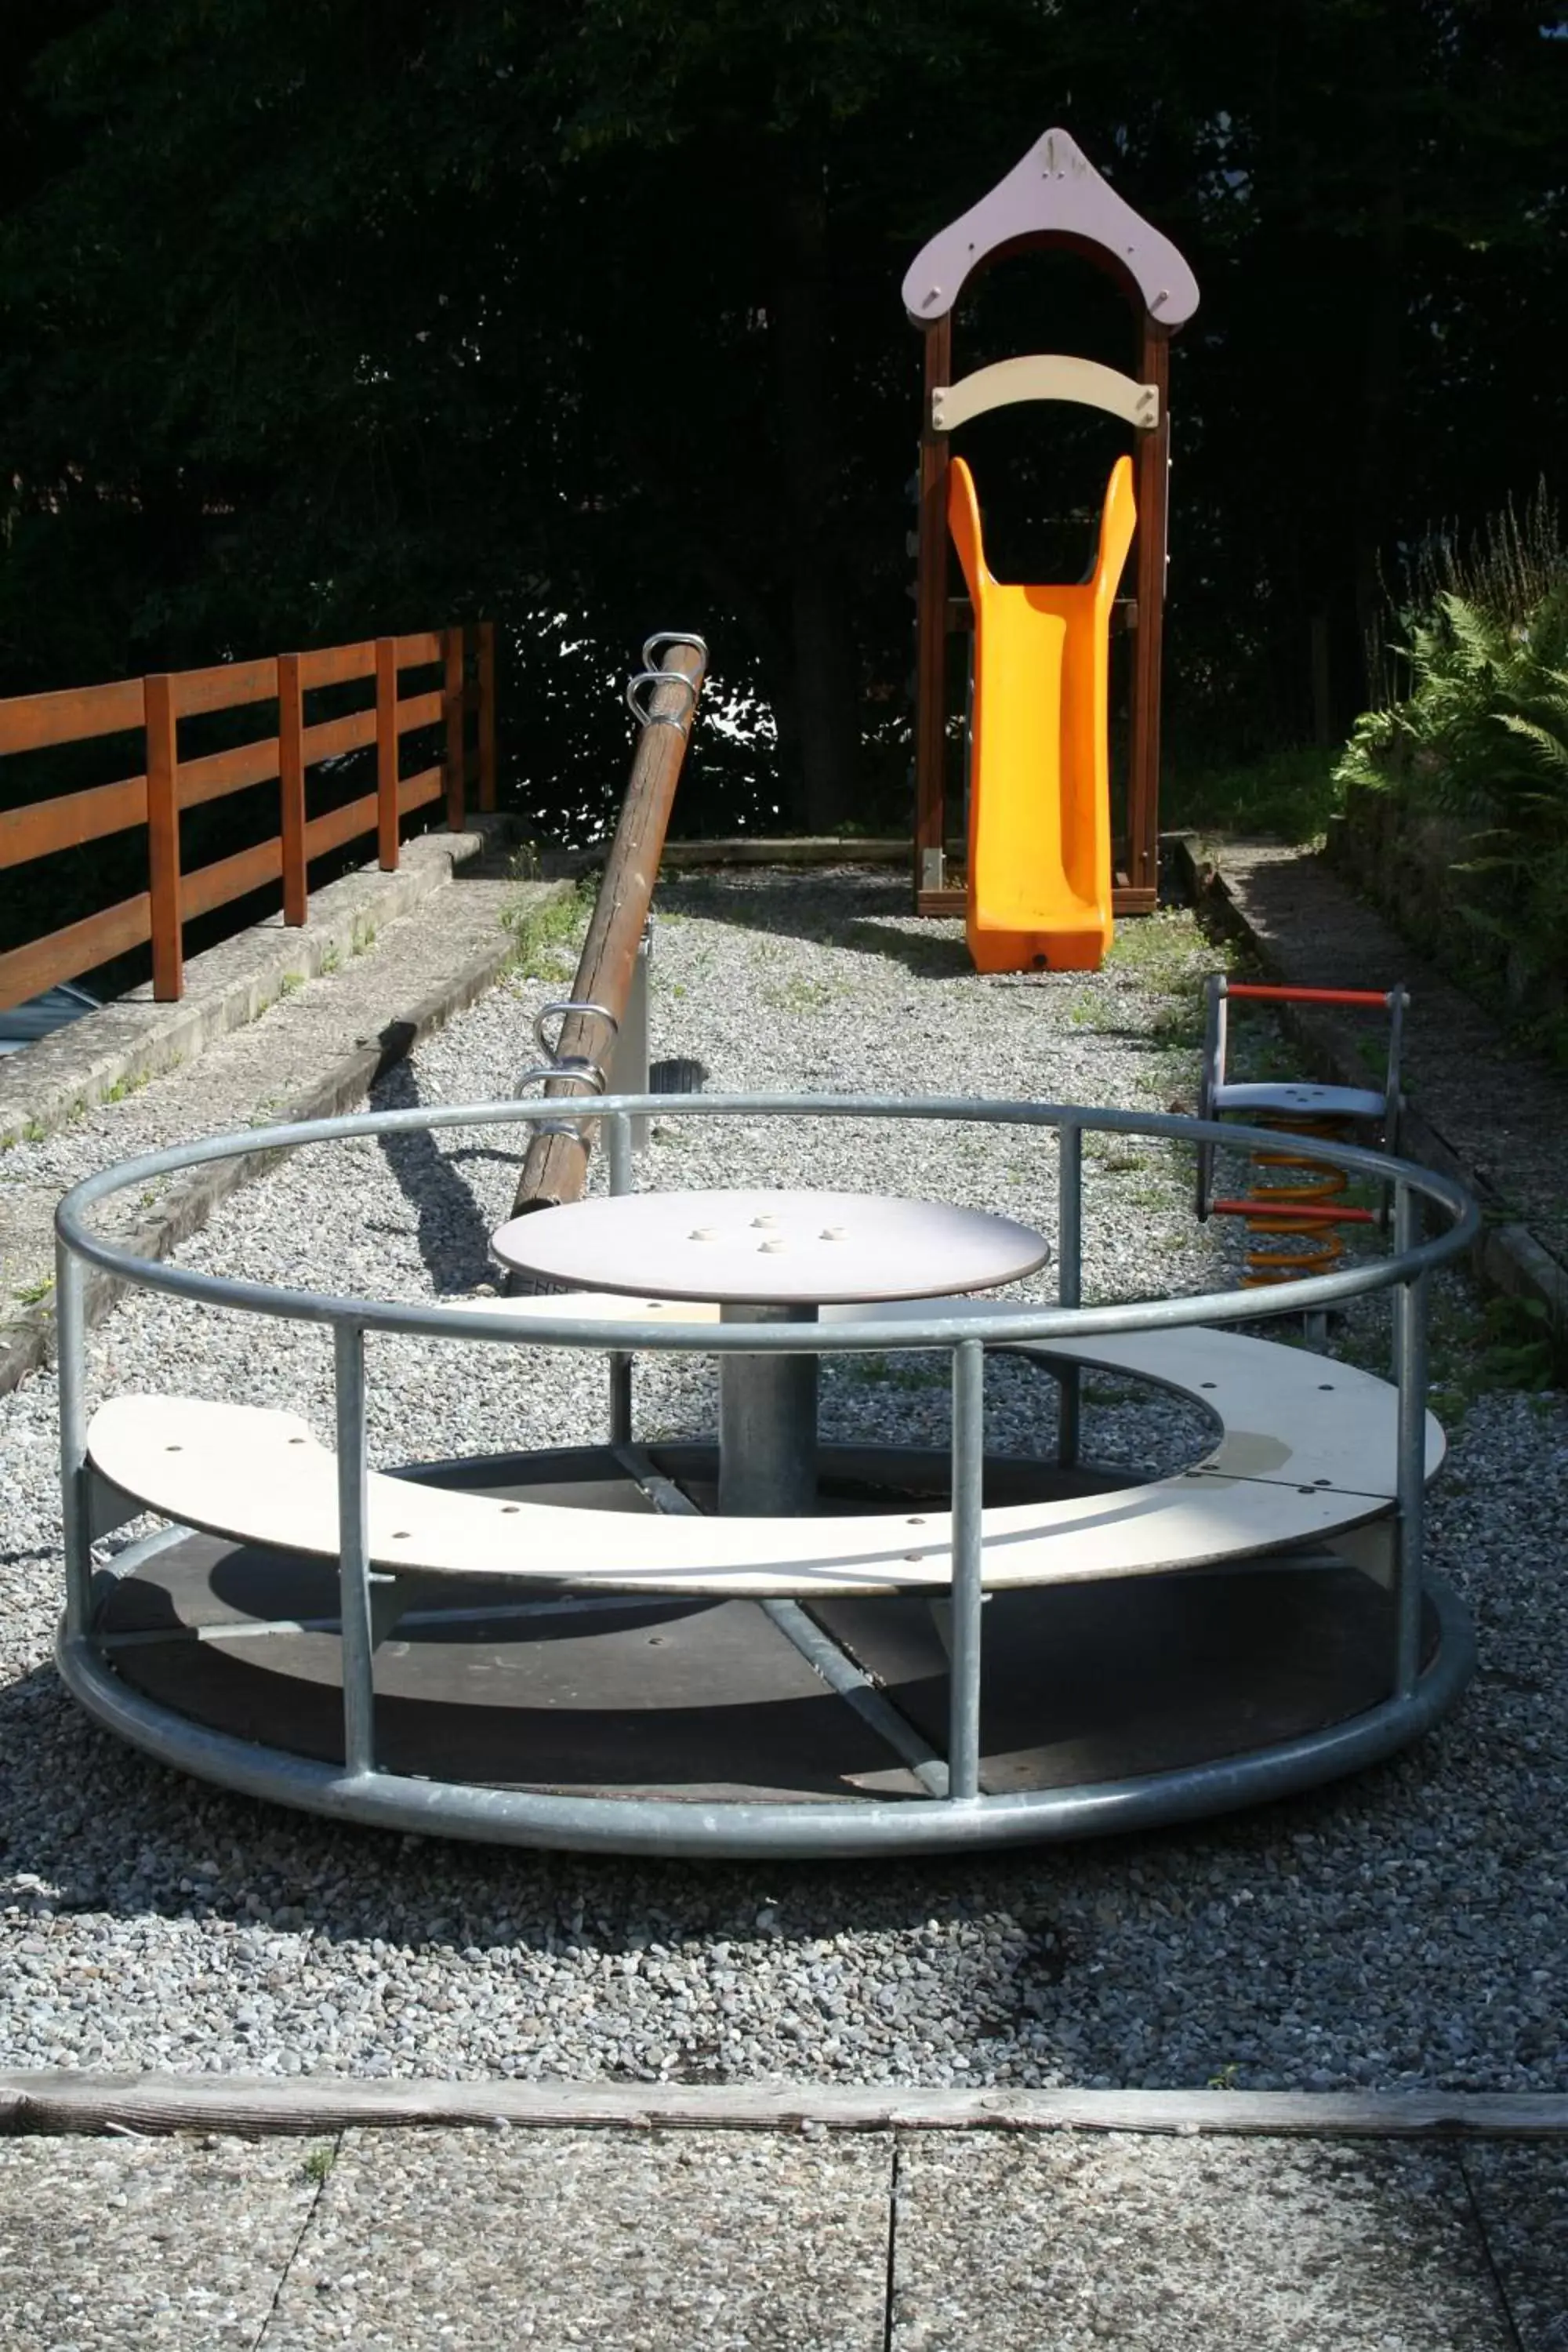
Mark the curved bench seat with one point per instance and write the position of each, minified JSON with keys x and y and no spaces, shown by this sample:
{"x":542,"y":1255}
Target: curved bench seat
{"x":1306,"y":1449}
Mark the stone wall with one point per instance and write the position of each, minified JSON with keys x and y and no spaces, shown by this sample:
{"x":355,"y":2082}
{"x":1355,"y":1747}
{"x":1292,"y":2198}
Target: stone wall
{"x":1410,"y":863}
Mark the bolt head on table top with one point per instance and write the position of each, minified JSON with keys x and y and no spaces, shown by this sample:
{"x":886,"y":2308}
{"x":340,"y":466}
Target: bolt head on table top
{"x":770,"y":1248}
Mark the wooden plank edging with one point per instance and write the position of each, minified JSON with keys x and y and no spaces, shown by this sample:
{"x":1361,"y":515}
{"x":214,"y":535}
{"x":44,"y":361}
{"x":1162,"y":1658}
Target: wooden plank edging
{"x":66,"y":2101}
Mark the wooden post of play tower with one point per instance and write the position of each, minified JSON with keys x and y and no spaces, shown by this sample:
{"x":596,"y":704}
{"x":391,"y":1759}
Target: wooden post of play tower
{"x":1053,"y":198}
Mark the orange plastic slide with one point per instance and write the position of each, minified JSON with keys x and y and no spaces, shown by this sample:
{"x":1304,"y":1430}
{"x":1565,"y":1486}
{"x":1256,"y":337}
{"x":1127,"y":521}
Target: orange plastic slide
{"x":1039,"y":794}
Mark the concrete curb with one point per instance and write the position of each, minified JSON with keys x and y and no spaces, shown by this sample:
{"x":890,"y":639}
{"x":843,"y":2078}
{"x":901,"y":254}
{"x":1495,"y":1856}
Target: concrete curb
{"x":27,"y":1344}
{"x":133,"y":1038}
{"x":65,"y":2100}
{"x":1507,"y":1256}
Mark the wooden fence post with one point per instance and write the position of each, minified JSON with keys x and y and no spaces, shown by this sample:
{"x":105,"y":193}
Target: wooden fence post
{"x":454,"y":758}
{"x":163,"y":838}
{"x":486,"y":715}
{"x":1152,"y":461}
{"x":386,"y":753}
{"x":291,"y":788}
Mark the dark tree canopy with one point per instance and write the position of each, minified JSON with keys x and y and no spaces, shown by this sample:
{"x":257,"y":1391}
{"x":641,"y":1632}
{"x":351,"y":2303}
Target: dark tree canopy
{"x":320,"y":323}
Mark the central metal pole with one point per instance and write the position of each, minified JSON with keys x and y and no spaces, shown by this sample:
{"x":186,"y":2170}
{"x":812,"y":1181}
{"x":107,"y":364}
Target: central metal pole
{"x":767,"y":1425}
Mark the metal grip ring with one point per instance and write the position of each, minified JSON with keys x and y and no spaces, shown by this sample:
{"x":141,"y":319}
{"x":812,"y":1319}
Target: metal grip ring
{"x":652,"y":677}
{"x":572,"y":1004}
{"x":673,"y":637}
{"x":576,"y":1074}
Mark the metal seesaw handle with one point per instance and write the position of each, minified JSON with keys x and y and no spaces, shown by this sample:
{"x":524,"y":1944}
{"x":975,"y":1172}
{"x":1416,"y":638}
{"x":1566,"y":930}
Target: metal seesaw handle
{"x":673,"y":637}
{"x":587,"y":1075}
{"x":653,"y":678}
{"x":564,"y":1010}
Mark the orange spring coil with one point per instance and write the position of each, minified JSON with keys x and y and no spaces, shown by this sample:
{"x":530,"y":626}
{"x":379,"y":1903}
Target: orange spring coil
{"x":1313,"y":1245}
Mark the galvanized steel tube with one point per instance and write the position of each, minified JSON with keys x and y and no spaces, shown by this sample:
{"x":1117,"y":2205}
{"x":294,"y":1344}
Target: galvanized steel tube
{"x":1051,"y":1322}
{"x":767,"y":1423}
{"x":707,"y":1828}
{"x":354,"y":1553}
{"x":70,"y":1341}
{"x":618,"y":1136}
{"x":1069,"y":1286}
{"x":1410,"y":1518}
{"x":968,"y":1569}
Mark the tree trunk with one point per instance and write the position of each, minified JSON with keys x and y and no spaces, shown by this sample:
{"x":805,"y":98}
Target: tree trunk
{"x":1376,"y":500}
{"x":819,"y":732}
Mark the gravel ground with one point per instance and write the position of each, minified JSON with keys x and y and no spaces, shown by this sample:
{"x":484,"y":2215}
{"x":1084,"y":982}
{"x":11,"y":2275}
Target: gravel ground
{"x":1405,"y":1929}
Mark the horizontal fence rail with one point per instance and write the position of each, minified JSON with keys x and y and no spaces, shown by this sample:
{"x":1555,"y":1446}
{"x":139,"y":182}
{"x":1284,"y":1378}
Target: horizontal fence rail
{"x":171,"y":783}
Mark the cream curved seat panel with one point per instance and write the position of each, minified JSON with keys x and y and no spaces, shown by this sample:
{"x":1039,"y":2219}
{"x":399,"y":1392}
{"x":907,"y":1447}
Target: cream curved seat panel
{"x":1306,"y":1449}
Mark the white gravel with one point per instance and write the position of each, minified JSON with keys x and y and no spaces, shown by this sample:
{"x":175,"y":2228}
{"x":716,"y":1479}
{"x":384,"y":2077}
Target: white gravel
{"x":1405,"y":1929}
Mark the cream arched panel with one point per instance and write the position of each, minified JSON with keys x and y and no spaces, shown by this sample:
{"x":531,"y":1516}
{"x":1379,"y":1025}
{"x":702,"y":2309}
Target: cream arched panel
{"x":1044,"y":376}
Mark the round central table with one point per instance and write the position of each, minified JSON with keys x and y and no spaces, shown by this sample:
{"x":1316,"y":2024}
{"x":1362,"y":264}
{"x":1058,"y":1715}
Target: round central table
{"x":769,"y":1257}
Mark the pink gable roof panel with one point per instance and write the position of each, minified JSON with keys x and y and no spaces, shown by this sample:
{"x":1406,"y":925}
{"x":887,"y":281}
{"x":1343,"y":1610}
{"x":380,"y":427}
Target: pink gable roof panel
{"x":1055,"y":189}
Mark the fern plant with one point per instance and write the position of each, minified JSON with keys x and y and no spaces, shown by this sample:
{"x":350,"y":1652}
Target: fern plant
{"x":1478,"y":735}
{"x":1482,"y":732}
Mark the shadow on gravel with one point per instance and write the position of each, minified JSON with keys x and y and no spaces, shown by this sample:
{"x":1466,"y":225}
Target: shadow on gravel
{"x":876,"y":919}
{"x":91,"y":1826}
{"x":453,"y":1232}
{"x":144,"y":1914}
{"x":928,"y":955}
{"x":89,"y":1823}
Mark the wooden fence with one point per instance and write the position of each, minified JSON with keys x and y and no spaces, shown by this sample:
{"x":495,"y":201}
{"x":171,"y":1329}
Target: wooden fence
{"x":171,"y":785}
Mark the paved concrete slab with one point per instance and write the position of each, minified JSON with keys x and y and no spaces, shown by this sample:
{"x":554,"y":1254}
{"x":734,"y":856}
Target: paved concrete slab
{"x":641,"y":2239}
{"x":1521,"y":2193}
{"x":115,"y":2245}
{"x":1070,"y":2243}
{"x":626,"y":2242}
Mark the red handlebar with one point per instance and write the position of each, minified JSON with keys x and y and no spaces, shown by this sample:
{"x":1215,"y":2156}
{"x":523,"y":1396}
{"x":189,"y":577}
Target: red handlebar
{"x":1313,"y":995}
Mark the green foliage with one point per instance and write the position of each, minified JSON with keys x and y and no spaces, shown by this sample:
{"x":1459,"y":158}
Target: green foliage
{"x":547,"y":936}
{"x":1511,"y":565}
{"x":1478,"y":739}
{"x":1479,"y":1345}
{"x":588,"y":318}
{"x":1521,"y":1349}
{"x":1482,"y":732}
{"x":1290,"y":794}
